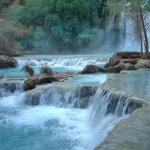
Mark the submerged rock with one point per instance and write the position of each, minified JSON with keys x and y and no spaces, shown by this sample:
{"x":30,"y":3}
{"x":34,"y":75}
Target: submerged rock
{"x":7,"y":62}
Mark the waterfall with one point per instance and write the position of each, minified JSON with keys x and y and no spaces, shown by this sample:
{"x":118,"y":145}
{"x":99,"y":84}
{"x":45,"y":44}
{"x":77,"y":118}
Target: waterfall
{"x":8,"y":88}
{"x":62,"y":61}
{"x":129,"y":39}
{"x":79,"y":97}
{"x":84,"y":115}
{"x":127,"y":34}
{"x":107,"y":110}
{"x":83,"y":96}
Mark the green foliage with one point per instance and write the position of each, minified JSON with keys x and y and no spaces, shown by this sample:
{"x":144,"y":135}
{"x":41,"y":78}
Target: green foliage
{"x":41,"y":41}
{"x":57,"y":20}
{"x":5,"y":3}
{"x":90,"y":36}
{"x":46,"y":69}
{"x":128,"y":6}
{"x":28,"y":69}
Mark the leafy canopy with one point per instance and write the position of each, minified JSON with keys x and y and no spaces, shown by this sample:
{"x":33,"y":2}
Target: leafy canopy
{"x":64,"y":20}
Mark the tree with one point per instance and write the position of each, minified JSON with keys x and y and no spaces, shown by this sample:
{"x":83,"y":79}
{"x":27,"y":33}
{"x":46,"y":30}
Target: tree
{"x":5,"y":3}
{"x":137,"y":10}
{"x":64,"y":21}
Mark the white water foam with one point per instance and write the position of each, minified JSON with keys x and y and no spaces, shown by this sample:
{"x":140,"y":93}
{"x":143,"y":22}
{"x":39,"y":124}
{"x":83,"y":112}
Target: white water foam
{"x":50,"y":127}
{"x":73,"y":125}
{"x":61,"y":61}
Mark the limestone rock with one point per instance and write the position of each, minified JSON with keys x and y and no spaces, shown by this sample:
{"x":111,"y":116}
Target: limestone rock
{"x":34,"y":80}
{"x":118,"y":68}
{"x":118,"y":56}
{"x":83,"y":94}
{"x":90,"y":69}
{"x":7,"y":62}
{"x":142,"y":63}
{"x":126,"y":66}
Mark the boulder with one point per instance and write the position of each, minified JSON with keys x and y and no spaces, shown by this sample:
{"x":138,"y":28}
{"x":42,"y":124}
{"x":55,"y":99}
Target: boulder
{"x":143,"y":63}
{"x":118,"y":62}
{"x":118,"y":68}
{"x":90,"y":69}
{"x":7,"y":62}
{"x":127,"y":57}
{"x":126,"y":66}
{"x":34,"y":80}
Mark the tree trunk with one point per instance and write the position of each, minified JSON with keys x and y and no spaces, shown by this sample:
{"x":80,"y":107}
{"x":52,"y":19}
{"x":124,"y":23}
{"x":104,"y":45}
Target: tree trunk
{"x":146,"y":45}
{"x":141,"y":40}
{"x":139,"y":31}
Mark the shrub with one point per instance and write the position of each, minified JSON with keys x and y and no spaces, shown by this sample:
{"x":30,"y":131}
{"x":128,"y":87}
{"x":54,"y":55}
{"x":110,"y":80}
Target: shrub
{"x":28,"y":69}
{"x":46,"y":69}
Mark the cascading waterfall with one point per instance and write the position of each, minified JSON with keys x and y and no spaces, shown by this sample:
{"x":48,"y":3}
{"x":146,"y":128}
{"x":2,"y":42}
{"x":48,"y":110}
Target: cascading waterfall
{"x":56,"y":118}
{"x":127,"y":34}
{"x":8,"y":88}
{"x":104,"y":112}
{"x":129,"y":40}
{"x":107,"y":110}
{"x":76,"y":98}
{"x":57,"y":64}
{"x":61,"y":61}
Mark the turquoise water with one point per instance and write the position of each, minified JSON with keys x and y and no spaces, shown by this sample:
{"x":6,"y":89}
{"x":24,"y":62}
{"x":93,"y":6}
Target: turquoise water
{"x":17,"y":73}
{"x":25,"y":127}
{"x":41,"y":128}
{"x":136,"y":83}
{"x":46,"y":127}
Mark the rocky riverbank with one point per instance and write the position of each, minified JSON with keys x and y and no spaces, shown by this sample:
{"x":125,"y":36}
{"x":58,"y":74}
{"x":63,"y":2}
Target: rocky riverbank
{"x":118,"y":62}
